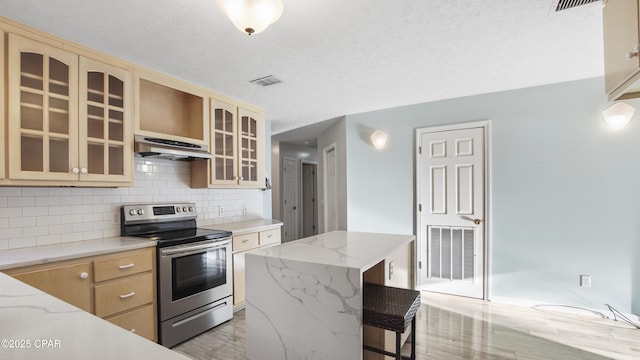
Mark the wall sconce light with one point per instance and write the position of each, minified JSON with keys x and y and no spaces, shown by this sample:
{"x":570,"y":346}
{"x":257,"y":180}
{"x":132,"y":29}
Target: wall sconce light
{"x":618,"y":115}
{"x":379,"y":139}
{"x":251,"y":16}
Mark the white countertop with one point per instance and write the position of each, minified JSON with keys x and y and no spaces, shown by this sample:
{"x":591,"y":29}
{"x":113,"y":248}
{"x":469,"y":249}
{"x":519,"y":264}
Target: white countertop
{"x":14,"y":258}
{"x":36,"y":325}
{"x":339,"y":248}
{"x":248,"y":226}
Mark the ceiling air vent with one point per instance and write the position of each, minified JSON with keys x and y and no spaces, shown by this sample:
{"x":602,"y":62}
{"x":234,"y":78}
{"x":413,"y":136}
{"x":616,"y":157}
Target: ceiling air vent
{"x":266,"y":81}
{"x":559,"y":5}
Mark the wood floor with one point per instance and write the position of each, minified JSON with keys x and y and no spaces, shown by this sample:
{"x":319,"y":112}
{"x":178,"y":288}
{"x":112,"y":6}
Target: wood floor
{"x":460,"y":328}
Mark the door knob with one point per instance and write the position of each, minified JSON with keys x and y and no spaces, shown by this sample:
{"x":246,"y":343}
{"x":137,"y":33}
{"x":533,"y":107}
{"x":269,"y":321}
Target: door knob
{"x":477,"y":221}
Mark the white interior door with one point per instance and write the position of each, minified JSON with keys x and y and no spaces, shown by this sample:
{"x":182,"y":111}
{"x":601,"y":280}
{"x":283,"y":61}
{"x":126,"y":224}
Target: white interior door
{"x":290,"y":200}
{"x":451,"y":191}
{"x":309,"y":204}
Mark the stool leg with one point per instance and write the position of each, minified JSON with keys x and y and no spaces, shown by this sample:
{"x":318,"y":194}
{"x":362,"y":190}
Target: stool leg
{"x":398,"y":340}
{"x":413,"y":338}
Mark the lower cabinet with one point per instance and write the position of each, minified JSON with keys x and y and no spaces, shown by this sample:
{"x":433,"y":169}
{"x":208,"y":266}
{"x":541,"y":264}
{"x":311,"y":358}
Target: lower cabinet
{"x":241,"y":244}
{"x":118,"y":287}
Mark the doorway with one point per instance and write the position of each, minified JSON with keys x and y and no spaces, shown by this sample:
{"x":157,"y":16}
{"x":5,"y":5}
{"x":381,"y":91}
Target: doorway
{"x":452,"y":196}
{"x":290,"y":199}
{"x":330,"y":188}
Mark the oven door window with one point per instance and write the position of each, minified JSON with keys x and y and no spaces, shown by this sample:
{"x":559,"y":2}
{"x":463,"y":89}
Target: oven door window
{"x":195,"y":273}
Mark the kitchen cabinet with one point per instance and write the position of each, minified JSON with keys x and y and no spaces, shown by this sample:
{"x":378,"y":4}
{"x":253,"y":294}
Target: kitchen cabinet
{"x":171,"y":109}
{"x":621,"y":48}
{"x":238,"y":148}
{"x":118,"y":287}
{"x":69,"y":117}
{"x":242,"y":243}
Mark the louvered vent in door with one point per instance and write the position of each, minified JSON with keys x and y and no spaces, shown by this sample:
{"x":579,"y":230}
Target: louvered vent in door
{"x":451,"y":253}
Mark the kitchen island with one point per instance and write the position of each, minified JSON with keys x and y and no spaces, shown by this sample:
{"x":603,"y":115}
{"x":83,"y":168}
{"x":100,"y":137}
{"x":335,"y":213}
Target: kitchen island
{"x":304,"y":298}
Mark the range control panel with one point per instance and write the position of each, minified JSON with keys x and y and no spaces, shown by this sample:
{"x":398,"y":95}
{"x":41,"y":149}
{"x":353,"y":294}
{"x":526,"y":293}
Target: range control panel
{"x":141,"y":213}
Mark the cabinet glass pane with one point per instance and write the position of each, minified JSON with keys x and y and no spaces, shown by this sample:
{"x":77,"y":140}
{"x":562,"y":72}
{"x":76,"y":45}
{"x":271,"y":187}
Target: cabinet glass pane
{"x":219,"y":143}
{"x":245,"y":148}
{"x":95,"y":153}
{"x":31,"y":149}
{"x":31,"y":111}
{"x":253,"y":126}
{"x":58,"y":77}
{"x":245,"y":170}
{"x":218,"y":119}
{"x":31,"y":70}
{"x":59,"y":155}
{"x":116,"y":157}
{"x":58,"y":122}
{"x":116,"y":131}
{"x":95,"y":87}
{"x":95,"y":128}
{"x":229,"y":170}
{"x":228,"y":121}
{"x":252,"y":150}
{"x":116,"y":92}
{"x":228,"y":143}
{"x":219,"y":169}
{"x":116,"y":115}
{"x":59,"y":104}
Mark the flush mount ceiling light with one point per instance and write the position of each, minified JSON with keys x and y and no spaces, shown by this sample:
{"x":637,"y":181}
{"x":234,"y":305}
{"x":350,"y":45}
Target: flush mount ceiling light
{"x":618,"y":116}
{"x":379,"y":139}
{"x":251,"y":16}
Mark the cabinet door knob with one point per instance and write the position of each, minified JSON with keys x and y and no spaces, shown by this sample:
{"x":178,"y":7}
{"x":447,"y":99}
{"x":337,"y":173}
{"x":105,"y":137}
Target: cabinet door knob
{"x":84,"y":275}
{"x":634,"y":53}
{"x":84,"y":170}
{"x":75,"y":170}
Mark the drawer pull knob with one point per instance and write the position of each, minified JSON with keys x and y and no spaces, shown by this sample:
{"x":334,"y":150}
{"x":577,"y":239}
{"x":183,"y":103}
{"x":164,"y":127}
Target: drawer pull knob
{"x":84,"y":275}
{"x":132,"y":330}
{"x":127,"y":295}
{"x":269,"y":236}
{"x":122,"y":267}
{"x":245,"y":241}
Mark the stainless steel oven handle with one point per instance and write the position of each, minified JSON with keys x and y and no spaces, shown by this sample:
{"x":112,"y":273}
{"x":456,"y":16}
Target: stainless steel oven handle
{"x":192,"y":248}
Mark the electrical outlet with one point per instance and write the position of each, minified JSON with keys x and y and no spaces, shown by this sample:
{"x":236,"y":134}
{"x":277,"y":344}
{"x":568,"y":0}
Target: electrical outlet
{"x":220,"y":210}
{"x":585,"y":281}
{"x":390,"y":270}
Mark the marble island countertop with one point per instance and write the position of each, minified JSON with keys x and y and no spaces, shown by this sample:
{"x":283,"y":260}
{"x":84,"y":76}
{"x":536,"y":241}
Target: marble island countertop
{"x":36,"y":325}
{"x":346,"y":249}
{"x":44,"y":254}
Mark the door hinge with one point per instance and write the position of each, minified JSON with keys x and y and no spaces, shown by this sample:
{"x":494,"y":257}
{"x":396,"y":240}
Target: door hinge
{"x":420,"y":207}
{"x":420,"y":150}
{"x":419,"y":264}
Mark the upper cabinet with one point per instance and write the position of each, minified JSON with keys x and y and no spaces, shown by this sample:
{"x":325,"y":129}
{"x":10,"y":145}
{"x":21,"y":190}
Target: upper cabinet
{"x":171,"y":109}
{"x":621,"y":49}
{"x":105,"y":122}
{"x":69,"y":117}
{"x":237,"y":146}
{"x":43,"y":117}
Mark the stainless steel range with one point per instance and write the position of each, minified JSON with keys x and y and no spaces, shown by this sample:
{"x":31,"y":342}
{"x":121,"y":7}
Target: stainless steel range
{"x":194,"y":268}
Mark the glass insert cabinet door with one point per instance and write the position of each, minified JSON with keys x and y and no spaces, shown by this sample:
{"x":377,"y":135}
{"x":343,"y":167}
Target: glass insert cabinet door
{"x":104,"y":122}
{"x":43,"y":119}
{"x":224,"y":164}
{"x":251,"y":148}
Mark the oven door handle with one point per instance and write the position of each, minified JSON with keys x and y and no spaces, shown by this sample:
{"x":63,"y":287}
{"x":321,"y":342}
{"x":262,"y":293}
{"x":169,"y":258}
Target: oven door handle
{"x":194,"y":248}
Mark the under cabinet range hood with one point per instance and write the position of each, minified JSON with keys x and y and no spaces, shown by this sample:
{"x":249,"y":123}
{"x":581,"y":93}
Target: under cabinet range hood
{"x":148,"y":146}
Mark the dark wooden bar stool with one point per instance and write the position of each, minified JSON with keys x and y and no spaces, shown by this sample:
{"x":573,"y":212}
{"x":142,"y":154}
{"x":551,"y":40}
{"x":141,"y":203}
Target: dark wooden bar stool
{"x":391,"y":309}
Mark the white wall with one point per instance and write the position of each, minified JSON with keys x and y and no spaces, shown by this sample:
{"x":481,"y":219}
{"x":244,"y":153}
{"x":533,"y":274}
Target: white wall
{"x":336,"y":134}
{"x":42,"y":216}
{"x":565,"y":190}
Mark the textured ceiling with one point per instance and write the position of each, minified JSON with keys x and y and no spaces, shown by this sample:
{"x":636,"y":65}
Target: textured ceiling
{"x":338,"y":57}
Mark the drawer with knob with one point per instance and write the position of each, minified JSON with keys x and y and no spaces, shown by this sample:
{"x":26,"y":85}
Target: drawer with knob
{"x":270,"y":237}
{"x":139,"y":321}
{"x":117,"y":296}
{"x":122,"y":265}
{"x":245,"y":241}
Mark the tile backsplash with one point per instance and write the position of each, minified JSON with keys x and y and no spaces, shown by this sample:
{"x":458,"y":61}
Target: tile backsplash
{"x":36,"y":216}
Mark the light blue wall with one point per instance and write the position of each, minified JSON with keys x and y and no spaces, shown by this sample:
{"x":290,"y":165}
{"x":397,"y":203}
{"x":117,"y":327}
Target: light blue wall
{"x":565,"y":191}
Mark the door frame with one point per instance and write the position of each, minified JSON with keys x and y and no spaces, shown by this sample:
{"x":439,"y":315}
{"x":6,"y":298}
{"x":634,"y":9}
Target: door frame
{"x":325,"y":202}
{"x":315,"y":220}
{"x":486,"y":125}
